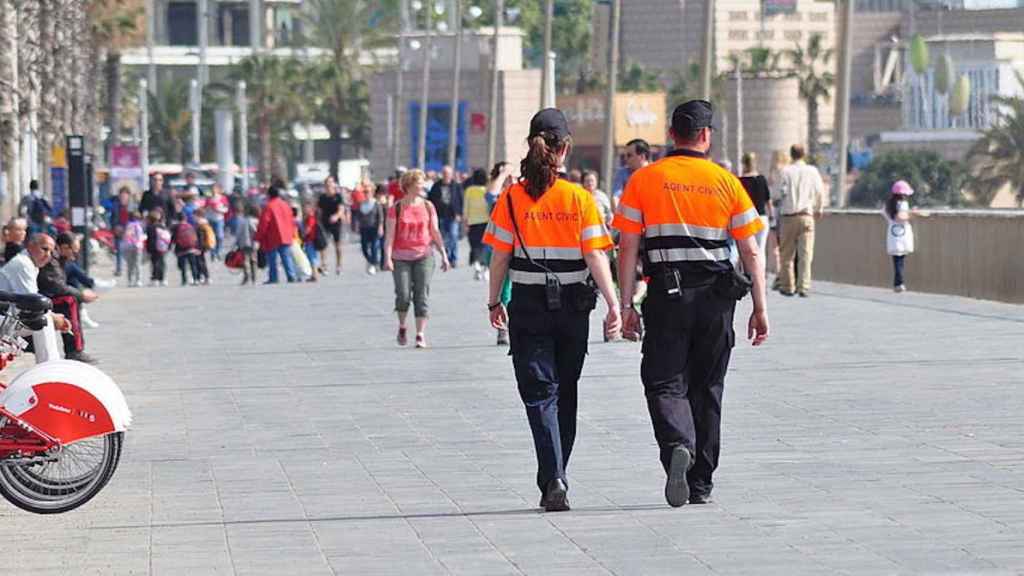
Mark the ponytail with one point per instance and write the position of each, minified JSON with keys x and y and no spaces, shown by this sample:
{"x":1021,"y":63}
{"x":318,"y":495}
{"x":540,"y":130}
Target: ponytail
{"x":540,"y":167}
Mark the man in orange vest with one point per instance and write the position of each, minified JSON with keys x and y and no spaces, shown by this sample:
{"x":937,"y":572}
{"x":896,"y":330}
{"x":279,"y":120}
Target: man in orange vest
{"x":685,"y":207}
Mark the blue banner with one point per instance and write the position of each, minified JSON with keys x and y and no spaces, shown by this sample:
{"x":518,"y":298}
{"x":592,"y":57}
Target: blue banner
{"x":438,"y":115}
{"x":59,"y":177}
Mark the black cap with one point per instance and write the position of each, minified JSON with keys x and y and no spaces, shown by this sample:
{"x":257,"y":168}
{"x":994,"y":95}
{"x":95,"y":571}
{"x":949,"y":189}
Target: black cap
{"x":552,"y":121}
{"x":692,"y":115}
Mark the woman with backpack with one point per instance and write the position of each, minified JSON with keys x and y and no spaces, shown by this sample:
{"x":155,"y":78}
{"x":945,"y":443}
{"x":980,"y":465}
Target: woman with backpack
{"x":412,"y":233}
{"x":158,"y":242}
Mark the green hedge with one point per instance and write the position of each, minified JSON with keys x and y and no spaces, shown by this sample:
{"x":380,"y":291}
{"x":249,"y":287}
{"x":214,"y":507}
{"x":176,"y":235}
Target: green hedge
{"x":936,"y":182}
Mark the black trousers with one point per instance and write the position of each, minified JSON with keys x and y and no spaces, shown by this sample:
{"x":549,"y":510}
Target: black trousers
{"x":686,"y":351}
{"x":548,"y":349}
{"x":157,"y":266}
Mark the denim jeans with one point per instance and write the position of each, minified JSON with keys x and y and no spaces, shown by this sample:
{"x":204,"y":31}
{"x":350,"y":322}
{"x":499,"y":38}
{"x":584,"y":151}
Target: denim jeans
{"x":314,"y":257}
{"x":450,"y":234}
{"x":370,"y":242}
{"x":897,"y":266}
{"x":218,"y":233}
{"x":283,"y":251}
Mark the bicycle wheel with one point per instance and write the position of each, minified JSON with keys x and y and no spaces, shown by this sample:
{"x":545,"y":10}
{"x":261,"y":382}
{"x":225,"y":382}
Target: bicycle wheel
{"x":81,"y":470}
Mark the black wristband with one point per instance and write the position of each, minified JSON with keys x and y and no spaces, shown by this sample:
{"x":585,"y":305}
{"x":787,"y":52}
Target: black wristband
{"x":493,"y":307}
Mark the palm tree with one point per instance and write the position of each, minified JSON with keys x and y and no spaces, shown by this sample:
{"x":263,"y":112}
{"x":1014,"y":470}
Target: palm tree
{"x":274,"y":101}
{"x":811,"y":69}
{"x":169,"y":121}
{"x":997,"y":158}
{"x":340,"y":96}
{"x":116,"y":24}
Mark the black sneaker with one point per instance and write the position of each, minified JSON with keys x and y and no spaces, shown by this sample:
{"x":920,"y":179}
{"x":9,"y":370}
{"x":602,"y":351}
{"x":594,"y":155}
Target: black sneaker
{"x":700,"y":498}
{"x":81,"y":357}
{"x":677,"y":491}
{"x":555,"y":497}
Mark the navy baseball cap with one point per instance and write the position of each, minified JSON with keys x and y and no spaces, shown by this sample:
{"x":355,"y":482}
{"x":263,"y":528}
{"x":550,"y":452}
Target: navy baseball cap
{"x":552,"y":121}
{"x":693,"y":115}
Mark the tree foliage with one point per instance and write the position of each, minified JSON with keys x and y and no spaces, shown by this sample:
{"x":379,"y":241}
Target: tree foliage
{"x":571,"y":35}
{"x":997,"y":159}
{"x":635,"y":78}
{"x":936,"y":181}
{"x":169,"y":120}
{"x":811,"y":69}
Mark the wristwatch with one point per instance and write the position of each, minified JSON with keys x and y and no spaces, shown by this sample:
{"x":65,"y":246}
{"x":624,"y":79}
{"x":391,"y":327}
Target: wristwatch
{"x":493,"y":307}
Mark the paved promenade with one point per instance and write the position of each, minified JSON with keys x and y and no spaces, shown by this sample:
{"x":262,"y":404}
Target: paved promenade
{"x":279,"y":431}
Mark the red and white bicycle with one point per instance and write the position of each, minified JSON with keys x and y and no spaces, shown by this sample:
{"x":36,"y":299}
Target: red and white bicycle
{"x":62,"y":422}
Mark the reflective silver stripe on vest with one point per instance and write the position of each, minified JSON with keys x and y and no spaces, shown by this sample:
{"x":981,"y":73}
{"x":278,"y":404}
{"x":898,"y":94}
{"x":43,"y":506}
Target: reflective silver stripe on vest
{"x":590,"y":232}
{"x":688,"y":254}
{"x":550,"y":253}
{"x":702,"y":232}
{"x":744,"y":218}
{"x":500,"y":233}
{"x":537,"y":278}
{"x":630,"y":213}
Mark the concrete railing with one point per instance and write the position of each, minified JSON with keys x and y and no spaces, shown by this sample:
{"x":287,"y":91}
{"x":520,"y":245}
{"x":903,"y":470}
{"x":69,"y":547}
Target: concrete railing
{"x":974,"y":253}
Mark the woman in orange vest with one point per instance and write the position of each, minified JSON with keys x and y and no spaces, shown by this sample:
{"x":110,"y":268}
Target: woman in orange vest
{"x":549,"y":237}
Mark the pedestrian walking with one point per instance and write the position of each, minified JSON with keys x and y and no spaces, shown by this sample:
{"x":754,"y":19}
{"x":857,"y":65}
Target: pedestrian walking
{"x":604,"y":203}
{"x":548,"y":236}
{"x":120,"y":212}
{"x":245,"y":232}
{"x":217,"y":208}
{"x":685,"y":207}
{"x":757,"y":189}
{"x":779,"y":161}
{"x":801,"y":195}
{"x":186,"y":248}
{"x":333,"y":215}
{"x":371,"y":215}
{"x":158,"y":243}
{"x":899,"y":236}
{"x":314,"y":239}
{"x":207,"y":244}
{"x":475,"y":215}
{"x":500,"y":181}
{"x":446,"y":196}
{"x":133,"y":244}
{"x":412,"y":233}
{"x":276,"y":233}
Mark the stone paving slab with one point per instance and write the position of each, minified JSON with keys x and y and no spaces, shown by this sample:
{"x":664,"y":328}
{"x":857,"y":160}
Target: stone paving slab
{"x":279,"y":430}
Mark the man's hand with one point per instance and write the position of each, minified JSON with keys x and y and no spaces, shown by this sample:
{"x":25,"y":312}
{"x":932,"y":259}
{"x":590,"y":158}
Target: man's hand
{"x":89,"y":296}
{"x":757,"y":328}
{"x":388,"y":265}
{"x":60,"y":322}
{"x":632,"y":327}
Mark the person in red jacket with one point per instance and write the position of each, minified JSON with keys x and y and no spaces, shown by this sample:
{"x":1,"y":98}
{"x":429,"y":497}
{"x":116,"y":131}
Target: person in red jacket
{"x":275,"y":233}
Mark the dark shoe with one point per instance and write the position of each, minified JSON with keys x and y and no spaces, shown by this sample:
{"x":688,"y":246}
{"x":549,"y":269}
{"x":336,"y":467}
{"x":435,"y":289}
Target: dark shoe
{"x":677,"y":491}
{"x":700,"y":498}
{"x":804,"y":294}
{"x":787,"y":294}
{"x":402,"y":338}
{"x":81,"y":357}
{"x":555,"y":497}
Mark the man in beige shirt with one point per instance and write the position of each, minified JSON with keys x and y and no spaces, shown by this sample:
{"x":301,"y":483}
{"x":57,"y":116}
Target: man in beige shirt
{"x":801,"y":195}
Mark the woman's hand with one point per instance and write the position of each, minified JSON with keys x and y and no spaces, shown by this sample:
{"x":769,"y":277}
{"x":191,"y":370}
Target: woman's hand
{"x":445,"y":264}
{"x":388,"y":264}
{"x":612,"y":323}
{"x":499,"y":318}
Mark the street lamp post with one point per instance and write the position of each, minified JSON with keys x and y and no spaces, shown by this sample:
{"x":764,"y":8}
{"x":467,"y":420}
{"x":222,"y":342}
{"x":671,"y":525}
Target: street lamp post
{"x":144,"y":130}
{"x":547,"y":88}
{"x":472,"y":13}
{"x":396,"y":140}
{"x":243,"y":134}
{"x":195,"y":105}
{"x":492,"y":120}
{"x":428,"y":48}
{"x":609,"y":103}
{"x":707,"y":61}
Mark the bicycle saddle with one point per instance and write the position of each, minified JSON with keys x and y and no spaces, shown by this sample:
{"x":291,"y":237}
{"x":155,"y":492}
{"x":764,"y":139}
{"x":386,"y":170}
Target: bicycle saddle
{"x":26,"y":302}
